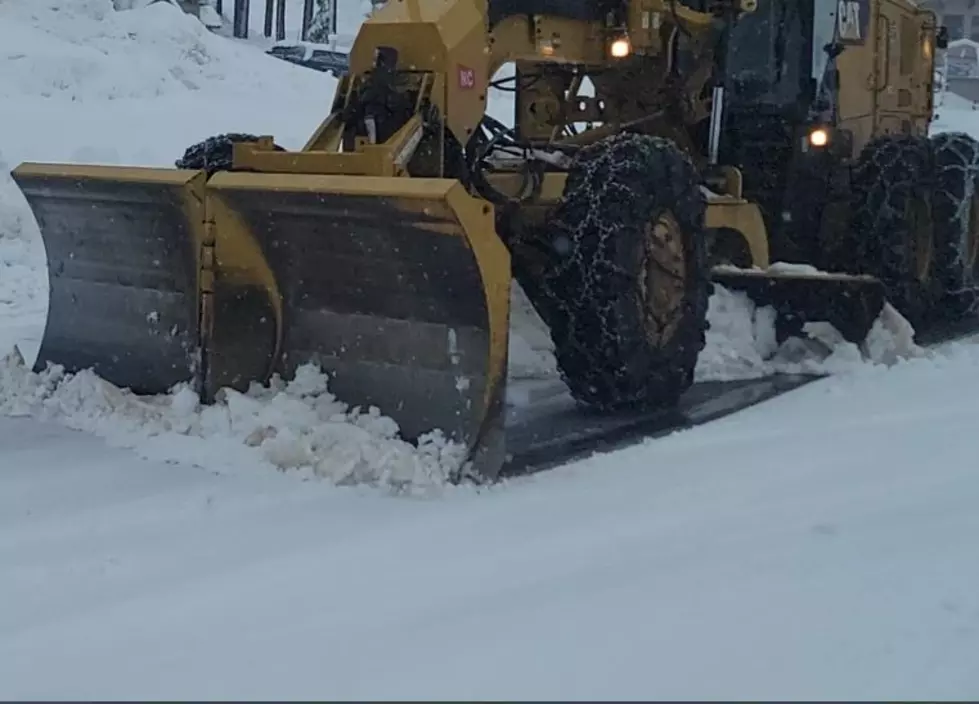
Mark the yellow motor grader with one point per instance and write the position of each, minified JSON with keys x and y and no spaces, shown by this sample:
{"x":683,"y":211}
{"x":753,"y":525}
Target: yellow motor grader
{"x":718,"y":136}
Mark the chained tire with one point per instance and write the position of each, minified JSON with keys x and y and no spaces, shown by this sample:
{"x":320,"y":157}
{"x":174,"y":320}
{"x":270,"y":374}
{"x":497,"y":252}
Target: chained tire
{"x":893,"y":225}
{"x":214,"y":153}
{"x":956,"y":216}
{"x":626,"y":295}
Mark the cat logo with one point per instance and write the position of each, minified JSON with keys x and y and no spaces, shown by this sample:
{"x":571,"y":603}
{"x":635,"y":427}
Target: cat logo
{"x":851,"y":23}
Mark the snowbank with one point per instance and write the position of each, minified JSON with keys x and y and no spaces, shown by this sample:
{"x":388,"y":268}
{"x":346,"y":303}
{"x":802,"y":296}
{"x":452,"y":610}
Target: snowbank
{"x":297,"y":426}
{"x":83,"y":50}
{"x":82,"y":83}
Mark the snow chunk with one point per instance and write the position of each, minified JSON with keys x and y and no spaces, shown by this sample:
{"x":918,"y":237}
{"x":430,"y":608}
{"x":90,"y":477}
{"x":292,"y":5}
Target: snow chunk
{"x":891,"y":339}
{"x":295,"y":425}
{"x":739,"y":338}
{"x":742,"y":343}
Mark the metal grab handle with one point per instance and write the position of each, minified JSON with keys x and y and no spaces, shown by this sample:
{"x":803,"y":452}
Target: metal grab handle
{"x":884,"y":33}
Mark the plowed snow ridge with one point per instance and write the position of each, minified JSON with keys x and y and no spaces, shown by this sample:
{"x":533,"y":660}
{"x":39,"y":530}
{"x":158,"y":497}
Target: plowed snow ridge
{"x":137,"y":87}
{"x":297,"y":425}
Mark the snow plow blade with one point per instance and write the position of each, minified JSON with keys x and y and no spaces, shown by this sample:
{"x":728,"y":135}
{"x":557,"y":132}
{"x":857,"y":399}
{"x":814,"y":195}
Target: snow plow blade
{"x":122,"y":248}
{"x":398,"y":288}
{"x":849,"y":303}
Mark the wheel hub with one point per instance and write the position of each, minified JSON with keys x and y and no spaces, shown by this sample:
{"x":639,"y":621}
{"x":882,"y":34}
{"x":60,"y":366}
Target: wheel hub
{"x":663,"y":278}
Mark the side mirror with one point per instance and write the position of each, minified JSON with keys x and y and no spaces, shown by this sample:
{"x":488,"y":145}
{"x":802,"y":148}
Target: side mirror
{"x":941,"y":37}
{"x":833,"y":50}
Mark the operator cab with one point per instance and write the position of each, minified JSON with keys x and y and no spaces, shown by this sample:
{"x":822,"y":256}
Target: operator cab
{"x":780,"y":81}
{"x":778,"y":55}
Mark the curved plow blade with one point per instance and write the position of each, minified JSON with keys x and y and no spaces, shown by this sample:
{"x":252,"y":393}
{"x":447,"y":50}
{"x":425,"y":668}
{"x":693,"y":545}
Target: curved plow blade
{"x":398,"y":288}
{"x":123,"y":248}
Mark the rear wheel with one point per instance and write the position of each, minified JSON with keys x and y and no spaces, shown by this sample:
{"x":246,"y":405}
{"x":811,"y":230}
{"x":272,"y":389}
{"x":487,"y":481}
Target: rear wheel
{"x":214,"y":153}
{"x":893,"y":222}
{"x":956,"y":215}
{"x":626,"y":296}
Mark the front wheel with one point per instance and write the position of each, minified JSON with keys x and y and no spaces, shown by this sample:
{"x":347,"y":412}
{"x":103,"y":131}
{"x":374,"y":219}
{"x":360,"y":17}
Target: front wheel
{"x":214,"y":153}
{"x":626,"y":295}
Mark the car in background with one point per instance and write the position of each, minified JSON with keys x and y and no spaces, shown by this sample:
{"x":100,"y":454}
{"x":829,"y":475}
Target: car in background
{"x":314,"y":56}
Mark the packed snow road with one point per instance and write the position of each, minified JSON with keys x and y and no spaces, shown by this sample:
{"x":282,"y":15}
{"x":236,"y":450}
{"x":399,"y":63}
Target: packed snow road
{"x":817,"y":546}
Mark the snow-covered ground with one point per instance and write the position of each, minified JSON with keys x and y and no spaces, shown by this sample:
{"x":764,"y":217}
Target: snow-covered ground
{"x":955,"y":114}
{"x":820,"y":546}
{"x":817,"y":546}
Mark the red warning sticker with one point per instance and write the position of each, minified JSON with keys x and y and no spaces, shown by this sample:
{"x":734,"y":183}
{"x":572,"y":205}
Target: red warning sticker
{"x":467,"y":78}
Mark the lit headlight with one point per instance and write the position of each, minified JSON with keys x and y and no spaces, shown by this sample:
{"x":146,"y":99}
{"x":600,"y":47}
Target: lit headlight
{"x":819,"y":137}
{"x":620,"y":48}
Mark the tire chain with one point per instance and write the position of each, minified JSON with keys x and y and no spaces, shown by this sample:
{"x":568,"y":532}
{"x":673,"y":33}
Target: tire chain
{"x":590,"y":296}
{"x":891,"y":170}
{"x":956,"y":157}
{"x":214,"y":153}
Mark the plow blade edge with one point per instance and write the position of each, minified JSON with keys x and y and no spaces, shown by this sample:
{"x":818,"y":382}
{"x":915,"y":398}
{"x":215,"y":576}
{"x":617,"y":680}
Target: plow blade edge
{"x":398,"y":288}
{"x":850,"y":303}
{"x":123,"y":247}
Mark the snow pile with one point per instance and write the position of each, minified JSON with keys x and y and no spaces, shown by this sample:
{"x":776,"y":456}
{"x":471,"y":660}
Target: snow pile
{"x":83,"y":50}
{"x":742,"y":343}
{"x":740,"y":338}
{"x":297,"y":425}
{"x":83,"y":83}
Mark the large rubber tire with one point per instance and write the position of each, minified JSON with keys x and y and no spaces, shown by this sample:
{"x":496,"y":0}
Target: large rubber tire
{"x":214,"y":153}
{"x":891,"y":218}
{"x":956,"y":216}
{"x":615,"y":349}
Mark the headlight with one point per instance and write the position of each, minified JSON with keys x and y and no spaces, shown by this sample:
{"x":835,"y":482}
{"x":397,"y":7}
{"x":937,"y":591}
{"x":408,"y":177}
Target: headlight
{"x":819,"y":137}
{"x":620,"y":47}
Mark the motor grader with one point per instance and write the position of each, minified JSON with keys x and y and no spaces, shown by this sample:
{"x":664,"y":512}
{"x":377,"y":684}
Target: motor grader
{"x":716,"y":134}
